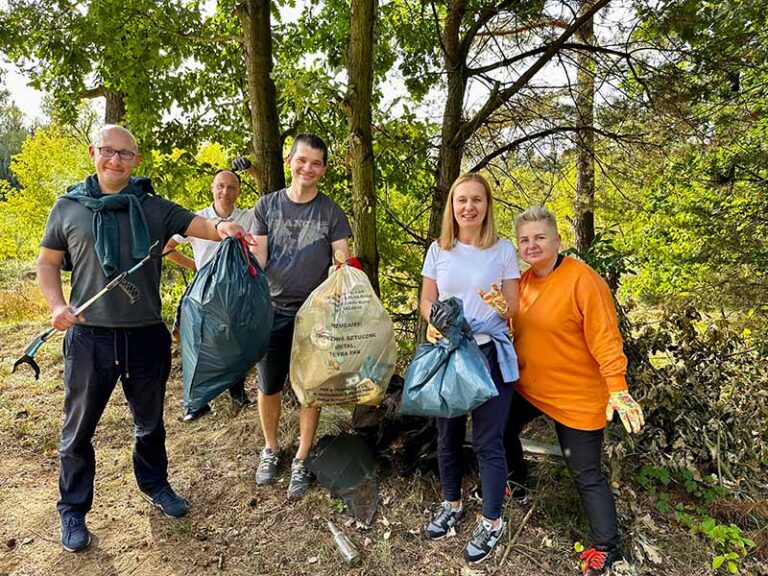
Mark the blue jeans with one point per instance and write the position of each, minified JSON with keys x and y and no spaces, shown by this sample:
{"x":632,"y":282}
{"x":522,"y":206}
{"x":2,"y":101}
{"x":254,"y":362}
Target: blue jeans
{"x":488,"y":423}
{"x":94,"y":359}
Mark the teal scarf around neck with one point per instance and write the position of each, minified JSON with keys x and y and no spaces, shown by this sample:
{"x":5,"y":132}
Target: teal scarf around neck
{"x":106,"y":231}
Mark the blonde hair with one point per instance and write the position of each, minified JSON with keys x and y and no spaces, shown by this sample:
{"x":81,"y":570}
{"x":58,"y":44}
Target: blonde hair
{"x":537,"y":214}
{"x":450,"y":228}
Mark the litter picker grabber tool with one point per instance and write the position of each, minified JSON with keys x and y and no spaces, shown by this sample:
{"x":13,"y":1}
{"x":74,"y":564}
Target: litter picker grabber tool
{"x":118,"y":281}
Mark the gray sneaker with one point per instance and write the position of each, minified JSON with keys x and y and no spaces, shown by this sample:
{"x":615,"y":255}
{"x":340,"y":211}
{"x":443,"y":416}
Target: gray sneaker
{"x":300,"y":478}
{"x":483,"y":541}
{"x":445,"y":518}
{"x":266,"y":473}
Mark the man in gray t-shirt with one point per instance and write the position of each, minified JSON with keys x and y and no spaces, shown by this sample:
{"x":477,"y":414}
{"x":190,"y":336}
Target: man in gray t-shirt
{"x":101,"y":227}
{"x":298,"y":230}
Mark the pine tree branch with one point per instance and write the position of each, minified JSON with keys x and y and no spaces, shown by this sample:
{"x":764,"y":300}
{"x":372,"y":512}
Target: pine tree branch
{"x":495,"y":101}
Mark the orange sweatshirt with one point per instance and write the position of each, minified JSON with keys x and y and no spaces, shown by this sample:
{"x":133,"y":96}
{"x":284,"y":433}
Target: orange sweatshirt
{"x":568,"y":345}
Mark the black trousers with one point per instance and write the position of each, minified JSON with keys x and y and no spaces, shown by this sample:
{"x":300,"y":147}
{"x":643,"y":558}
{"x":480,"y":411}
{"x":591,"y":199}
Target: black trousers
{"x":274,"y":367}
{"x":488,"y":422}
{"x":582,"y":450}
{"x":95,"y":358}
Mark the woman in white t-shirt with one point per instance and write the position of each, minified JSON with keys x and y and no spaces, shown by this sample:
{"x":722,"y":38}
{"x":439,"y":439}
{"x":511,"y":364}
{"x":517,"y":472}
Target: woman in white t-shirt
{"x":471,"y":262}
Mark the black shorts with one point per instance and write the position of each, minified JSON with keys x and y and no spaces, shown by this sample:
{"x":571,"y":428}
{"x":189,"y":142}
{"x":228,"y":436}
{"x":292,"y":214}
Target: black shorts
{"x":273,"y":368}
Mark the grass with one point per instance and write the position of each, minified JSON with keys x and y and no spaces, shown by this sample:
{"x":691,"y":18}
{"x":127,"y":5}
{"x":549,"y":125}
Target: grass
{"x":251,"y":530}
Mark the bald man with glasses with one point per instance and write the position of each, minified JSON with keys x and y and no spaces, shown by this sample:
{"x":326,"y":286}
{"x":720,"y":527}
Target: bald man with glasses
{"x":99,"y":228}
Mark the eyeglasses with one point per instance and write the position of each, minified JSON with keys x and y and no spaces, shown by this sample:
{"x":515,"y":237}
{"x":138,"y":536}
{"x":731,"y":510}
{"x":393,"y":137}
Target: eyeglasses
{"x":110,"y":152}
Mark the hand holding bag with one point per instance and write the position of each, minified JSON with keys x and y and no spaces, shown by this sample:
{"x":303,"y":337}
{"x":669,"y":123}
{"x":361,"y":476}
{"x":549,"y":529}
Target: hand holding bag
{"x":448,"y":378}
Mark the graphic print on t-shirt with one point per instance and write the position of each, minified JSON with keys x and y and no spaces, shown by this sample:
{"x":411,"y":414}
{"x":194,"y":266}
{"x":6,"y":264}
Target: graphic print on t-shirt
{"x":294,"y":235}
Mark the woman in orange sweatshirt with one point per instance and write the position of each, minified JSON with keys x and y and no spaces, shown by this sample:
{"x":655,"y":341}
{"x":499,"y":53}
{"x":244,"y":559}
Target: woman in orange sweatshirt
{"x":572,"y":368}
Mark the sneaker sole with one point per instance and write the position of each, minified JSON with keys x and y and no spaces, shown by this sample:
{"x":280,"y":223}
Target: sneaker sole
{"x":78,"y":549}
{"x":455,"y":528}
{"x":435,"y":538}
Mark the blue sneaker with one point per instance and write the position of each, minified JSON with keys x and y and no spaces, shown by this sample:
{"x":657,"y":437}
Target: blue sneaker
{"x":74,"y":533}
{"x":172,"y":505}
{"x":483,"y":541}
{"x":445,"y":518}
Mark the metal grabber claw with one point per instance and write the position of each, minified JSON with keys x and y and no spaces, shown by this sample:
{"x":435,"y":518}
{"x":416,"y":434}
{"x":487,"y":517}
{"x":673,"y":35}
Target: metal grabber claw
{"x":120,"y":280}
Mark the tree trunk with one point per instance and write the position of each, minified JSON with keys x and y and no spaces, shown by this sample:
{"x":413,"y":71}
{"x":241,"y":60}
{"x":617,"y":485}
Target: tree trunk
{"x":254,"y":18}
{"x":451,"y":151}
{"x":358,"y":100}
{"x":115,"y":108}
{"x":584,"y":215}
{"x":451,"y":147}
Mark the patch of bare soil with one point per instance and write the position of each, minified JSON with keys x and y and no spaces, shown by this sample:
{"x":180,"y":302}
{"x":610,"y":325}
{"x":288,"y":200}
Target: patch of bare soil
{"x":238,"y":528}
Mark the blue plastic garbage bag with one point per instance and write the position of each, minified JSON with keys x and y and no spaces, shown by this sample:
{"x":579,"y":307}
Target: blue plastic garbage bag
{"x":225,"y":323}
{"x":448,"y":378}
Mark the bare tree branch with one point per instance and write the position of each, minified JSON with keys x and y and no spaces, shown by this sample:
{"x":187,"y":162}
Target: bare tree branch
{"x":496,"y":100}
{"x":526,"y":28}
{"x":484,"y":17}
{"x":537,"y":136}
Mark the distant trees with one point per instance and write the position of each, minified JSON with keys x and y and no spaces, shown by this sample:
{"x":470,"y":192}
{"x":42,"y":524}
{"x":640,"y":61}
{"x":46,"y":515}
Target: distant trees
{"x":641,"y":117}
{"x":13,"y":132}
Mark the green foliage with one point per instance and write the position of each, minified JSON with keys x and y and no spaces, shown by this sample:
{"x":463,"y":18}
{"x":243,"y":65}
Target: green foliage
{"x":606,"y":258}
{"x":690,"y":226}
{"x":697,"y":226}
{"x":13,"y":131}
{"x":730,"y":545}
{"x":49,"y":161}
{"x":701,"y":383}
{"x":159,"y":56}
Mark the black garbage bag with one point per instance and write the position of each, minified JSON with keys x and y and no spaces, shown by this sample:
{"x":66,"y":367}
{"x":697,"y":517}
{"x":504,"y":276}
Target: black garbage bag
{"x":409,"y":443}
{"x":346,"y":465}
{"x":225,"y":323}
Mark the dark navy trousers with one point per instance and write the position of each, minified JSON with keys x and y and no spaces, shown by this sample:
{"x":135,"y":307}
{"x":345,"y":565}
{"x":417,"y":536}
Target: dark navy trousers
{"x":95,"y":358}
{"x":582,"y":450}
{"x":488,"y":423}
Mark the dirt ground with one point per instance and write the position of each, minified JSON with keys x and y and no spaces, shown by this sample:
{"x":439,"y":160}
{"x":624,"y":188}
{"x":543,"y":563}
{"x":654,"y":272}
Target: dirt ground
{"x":238,"y":528}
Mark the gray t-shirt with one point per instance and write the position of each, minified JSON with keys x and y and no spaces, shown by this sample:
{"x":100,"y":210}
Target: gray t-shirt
{"x":300,"y":237}
{"x":69,"y":228}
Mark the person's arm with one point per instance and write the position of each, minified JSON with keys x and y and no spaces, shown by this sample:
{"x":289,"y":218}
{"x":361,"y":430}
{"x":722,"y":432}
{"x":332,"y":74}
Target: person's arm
{"x":261,"y":250}
{"x":214,"y":229}
{"x":429,"y":296}
{"x":49,"y":280}
{"x":340,"y":246}
{"x":178,"y":257}
{"x":253,"y":172}
{"x":511,"y":291}
{"x":601,"y":329}
{"x":601,"y":333}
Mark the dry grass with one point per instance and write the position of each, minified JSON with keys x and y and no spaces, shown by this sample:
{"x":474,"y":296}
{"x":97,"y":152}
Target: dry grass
{"x":238,"y":528}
